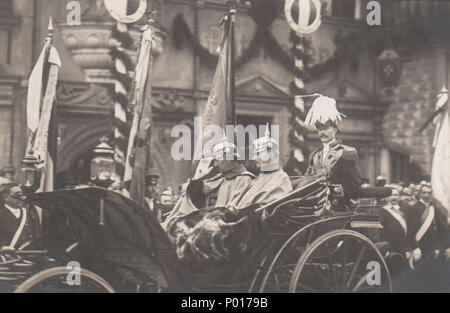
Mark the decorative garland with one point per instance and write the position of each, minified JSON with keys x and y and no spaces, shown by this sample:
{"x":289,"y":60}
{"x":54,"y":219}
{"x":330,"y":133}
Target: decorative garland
{"x":122,"y":86}
{"x":298,"y":161}
{"x":265,"y":40}
{"x":262,"y":39}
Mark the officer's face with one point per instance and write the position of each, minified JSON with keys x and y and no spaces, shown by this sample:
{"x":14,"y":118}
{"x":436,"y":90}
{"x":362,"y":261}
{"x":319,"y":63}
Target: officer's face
{"x":152,"y":190}
{"x":224,"y":165}
{"x":327,"y":133}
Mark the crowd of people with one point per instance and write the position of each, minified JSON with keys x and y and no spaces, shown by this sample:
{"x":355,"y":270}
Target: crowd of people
{"x":415,"y":225}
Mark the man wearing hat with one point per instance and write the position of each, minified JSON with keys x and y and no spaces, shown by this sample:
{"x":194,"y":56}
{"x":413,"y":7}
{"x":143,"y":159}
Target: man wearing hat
{"x":272,"y":182}
{"x":233,"y":177}
{"x":334,"y":160}
{"x":166,"y":202}
{"x":222,"y":177}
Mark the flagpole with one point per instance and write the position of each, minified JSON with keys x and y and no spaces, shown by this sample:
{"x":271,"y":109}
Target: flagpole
{"x":140,"y":135}
{"x":44,"y":146}
{"x":231,"y":119}
{"x":232,"y":88}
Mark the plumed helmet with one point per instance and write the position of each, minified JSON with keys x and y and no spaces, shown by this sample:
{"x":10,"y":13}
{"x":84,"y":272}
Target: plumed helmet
{"x":266,"y":143}
{"x":323,"y":111}
{"x":224,"y":147}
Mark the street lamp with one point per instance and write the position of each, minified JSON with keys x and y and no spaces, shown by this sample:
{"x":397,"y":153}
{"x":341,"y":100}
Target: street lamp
{"x":31,"y":174}
{"x":102,"y":164}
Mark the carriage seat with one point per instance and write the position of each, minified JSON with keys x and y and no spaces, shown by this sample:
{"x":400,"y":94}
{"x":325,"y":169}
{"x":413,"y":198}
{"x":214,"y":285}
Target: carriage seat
{"x":367,"y":192}
{"x":374,"y":192}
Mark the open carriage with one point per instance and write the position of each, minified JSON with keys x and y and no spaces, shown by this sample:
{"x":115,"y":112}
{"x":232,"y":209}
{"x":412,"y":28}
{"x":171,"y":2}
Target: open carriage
{"x":121,"y":247}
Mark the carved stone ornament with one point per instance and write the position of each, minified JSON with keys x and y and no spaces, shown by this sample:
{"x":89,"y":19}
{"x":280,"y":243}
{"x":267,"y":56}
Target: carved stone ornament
{"x":171,"y":101}
{"x":73,"y":94}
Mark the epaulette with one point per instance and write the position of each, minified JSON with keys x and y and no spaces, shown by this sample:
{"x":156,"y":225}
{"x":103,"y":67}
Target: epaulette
{"x":349,"y":153}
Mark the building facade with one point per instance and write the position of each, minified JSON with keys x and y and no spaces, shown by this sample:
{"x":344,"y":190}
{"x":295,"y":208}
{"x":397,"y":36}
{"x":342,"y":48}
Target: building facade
{"x":382,"y":122}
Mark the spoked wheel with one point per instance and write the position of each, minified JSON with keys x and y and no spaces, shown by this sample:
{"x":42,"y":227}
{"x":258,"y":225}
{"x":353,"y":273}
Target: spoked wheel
{"x":56,"y":280}
{"x":276,"y":271}
{"x":341,"y":261}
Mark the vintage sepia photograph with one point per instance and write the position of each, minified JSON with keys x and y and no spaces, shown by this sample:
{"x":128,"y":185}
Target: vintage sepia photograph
{"x":226,"y":147}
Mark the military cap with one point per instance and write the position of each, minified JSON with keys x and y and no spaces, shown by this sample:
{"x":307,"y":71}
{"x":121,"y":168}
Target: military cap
{"x":151,"y":179}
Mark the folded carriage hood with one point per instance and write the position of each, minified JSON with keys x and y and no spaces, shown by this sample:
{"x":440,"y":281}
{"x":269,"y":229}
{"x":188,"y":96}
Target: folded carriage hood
{"x":129,"y":238}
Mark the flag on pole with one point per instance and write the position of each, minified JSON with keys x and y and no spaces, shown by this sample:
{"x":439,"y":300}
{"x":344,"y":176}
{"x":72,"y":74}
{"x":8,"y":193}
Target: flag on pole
{"x":440,"y":178}
{"x":43,"y":139}
{"x":220,"y":107}
{"x":140,"y":134}
{"x":34,"y":92}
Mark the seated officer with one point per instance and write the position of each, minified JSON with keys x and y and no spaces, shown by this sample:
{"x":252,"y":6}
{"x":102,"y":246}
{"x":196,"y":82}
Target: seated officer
{"x":272,"y":182}
{"x":231,"y":180}
{"x":233,"y":177}
{"x":334,"y":160}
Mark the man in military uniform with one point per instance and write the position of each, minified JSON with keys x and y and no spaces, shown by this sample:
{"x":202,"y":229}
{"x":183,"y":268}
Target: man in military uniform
{"x":272,"y":182}
{"x":334,"y":160}
{"x":223,"y":177}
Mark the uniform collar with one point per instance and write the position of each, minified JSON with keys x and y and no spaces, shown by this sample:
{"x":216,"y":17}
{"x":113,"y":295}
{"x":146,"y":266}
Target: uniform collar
{"x":331,"y":144}
{"x":237,"y":170}
{"x":269,"y":171}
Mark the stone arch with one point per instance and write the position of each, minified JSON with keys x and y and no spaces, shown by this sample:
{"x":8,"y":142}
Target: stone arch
{"x":79,"y":142}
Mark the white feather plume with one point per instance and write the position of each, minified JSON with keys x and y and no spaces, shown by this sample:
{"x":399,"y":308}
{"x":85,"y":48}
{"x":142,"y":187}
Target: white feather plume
{"x":323,"y":110}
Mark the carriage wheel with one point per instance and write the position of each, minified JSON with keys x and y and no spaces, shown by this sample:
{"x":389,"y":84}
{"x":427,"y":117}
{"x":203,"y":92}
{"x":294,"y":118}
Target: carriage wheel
{"x":56,"y":280}
{"x":277,"y":269}
{"x":339,"y":261}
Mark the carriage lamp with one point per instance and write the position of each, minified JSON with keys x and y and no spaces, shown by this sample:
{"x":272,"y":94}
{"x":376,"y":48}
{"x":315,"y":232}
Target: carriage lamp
{"x":102,"y":164}
{"x":31,"y":174}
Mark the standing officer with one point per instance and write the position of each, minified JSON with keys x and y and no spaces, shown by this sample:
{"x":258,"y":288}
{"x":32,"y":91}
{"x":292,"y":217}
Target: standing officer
{"x":334,"y":160}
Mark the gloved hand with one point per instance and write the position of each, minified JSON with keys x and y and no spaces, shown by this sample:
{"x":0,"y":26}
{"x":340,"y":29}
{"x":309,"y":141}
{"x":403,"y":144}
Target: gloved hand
{"x":203,"y":169}
{"x":436,"y":253}
{"x":408,"y":254}
{"x":417,"y":254}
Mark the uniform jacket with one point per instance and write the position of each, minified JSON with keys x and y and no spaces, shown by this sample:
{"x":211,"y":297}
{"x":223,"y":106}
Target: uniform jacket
{"x":427,"y":225}
{"x":339,"y":166}
{"x":228,"y":185}
{"x":267,"y":187}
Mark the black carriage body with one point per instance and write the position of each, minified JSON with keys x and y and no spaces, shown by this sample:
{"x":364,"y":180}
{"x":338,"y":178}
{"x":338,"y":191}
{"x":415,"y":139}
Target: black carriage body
{"x":107,"y":234}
